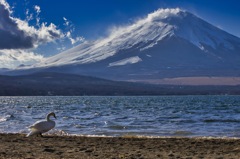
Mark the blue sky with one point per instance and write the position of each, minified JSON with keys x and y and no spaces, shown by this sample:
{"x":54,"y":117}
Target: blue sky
{"x":91,"y":18}
{"x":56,"y":25}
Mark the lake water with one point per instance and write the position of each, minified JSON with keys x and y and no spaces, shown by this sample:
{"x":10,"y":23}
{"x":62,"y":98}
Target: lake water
{"x":215,"y":116}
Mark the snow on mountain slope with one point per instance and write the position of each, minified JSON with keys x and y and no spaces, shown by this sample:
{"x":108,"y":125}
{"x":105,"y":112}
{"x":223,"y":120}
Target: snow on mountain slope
{"x":145,"y":34}
{"x":166,"y":43}
{"x":130,"y":60}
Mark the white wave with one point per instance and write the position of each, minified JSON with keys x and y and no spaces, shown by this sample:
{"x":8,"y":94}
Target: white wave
{"x":5,"y":118}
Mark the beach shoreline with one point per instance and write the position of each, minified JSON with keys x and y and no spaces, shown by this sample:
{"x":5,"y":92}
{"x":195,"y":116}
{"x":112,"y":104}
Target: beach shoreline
{"x":83,"y":147}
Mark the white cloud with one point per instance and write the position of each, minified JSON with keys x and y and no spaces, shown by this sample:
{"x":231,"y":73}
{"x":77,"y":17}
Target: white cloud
{"x":68,"y":34}
{"x":66,"y":22}
{"x":18,"y":34}
{"x":29,"y":16}
{"x":77,"y":39}
{"x":37,"y":9}
{"x":6,"y":5}
{"x":62,"y":48}
{"x":74,"y":40}
{"x":155,"y":16}
{"x":18,"y":37}
{"x":13,"y":58}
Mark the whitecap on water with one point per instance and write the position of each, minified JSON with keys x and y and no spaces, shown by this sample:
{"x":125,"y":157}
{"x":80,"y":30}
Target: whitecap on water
{"x":57,"y":132}
{"x":5,"y":118}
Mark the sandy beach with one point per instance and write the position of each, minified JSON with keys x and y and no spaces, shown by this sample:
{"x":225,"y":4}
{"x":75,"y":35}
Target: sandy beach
{"x":18,"y":146}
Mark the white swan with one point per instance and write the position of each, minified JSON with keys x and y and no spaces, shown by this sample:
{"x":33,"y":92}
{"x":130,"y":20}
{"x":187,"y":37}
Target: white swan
{"x":42,"y":126}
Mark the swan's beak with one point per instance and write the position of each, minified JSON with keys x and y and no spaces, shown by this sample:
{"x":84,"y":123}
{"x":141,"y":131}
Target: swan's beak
{"x":54,"y":116}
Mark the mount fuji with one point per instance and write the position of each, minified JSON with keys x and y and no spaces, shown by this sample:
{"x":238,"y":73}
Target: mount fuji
{"x":168,"y":43}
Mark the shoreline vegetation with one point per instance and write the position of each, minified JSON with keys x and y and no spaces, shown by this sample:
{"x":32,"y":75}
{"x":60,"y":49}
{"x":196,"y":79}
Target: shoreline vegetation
{"x":19,"y":146}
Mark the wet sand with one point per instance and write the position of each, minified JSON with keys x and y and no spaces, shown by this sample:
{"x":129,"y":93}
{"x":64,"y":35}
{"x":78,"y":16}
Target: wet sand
{"x":18,"y":146}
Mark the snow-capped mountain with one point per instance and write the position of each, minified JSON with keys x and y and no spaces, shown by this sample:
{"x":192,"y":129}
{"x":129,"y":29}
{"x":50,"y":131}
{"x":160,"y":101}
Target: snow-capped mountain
{"x":166,"y":43}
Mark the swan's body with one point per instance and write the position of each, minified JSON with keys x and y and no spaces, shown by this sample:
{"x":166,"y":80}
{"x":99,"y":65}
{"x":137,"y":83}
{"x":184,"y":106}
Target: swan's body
{"x":42,"y":126}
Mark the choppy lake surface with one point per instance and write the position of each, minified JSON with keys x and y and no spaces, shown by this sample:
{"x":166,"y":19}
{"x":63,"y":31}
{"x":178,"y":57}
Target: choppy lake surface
{"x":215,"y":116}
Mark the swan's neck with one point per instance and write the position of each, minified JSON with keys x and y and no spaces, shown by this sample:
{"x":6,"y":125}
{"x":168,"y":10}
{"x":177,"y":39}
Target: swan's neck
{"x":48,"y":117}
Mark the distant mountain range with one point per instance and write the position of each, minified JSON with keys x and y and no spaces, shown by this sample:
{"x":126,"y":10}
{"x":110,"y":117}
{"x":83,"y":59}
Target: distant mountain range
{"x":168,"y":43}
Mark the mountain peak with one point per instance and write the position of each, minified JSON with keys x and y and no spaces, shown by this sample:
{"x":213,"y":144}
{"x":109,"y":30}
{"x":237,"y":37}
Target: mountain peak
{"x":167,"y":39}
{"x":142,"y":34}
